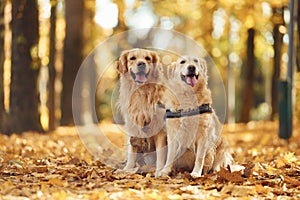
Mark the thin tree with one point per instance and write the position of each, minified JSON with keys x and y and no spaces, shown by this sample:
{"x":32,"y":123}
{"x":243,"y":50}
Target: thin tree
{"x":277,"y":46}
{"x":298,"y":43}
{"x":248,"y":77}
{"x":24,"y":98}
{"x":73,"y":48}
{"x":52,"y":71}
{"x":2,"y":4}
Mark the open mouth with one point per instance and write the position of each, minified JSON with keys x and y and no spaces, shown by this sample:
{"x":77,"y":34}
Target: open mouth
{"x":140,"y":77}
{"x":190,"y":79}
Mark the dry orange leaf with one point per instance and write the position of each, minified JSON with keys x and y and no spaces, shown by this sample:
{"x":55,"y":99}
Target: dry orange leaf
{"x":58,"y":182}
{"x":6,"y":187}
{"x":238,"y":191}
{"x":261,"y":189}
{"x":291,"y":180}
{"x":234,"y":177}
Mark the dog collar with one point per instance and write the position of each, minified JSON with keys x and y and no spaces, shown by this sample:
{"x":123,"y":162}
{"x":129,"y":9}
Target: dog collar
{"x":204,"y":108}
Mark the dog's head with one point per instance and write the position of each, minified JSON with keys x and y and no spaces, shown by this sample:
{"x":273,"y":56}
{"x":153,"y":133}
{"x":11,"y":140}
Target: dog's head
{"x":189,"y":69}
{"x":141,"y":64}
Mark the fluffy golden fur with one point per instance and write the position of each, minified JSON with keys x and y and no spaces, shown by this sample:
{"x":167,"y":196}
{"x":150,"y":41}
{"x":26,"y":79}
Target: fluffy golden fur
{"x":140,"y":76}
{"x":200,"y":134}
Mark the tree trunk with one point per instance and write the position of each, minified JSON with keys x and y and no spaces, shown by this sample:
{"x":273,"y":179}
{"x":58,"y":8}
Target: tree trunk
{"x":24,"y":98}
{"x":121,"y":20}
{"x":276,"y":71}
{"x":277,"y":20}
{"x":2,"y":4}
{"x":298,"y":43}
{"x":248,"y":77}
{"x":52,"y":72}
{"x":72,"y":56}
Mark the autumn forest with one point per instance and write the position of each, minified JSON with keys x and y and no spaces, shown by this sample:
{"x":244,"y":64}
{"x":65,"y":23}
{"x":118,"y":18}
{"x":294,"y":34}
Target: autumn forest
{"x":57,"y":74}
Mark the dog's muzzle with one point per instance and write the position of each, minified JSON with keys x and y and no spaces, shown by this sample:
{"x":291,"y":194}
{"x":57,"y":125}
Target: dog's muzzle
{"x":190,"y":79}
{"x":141,"y":76}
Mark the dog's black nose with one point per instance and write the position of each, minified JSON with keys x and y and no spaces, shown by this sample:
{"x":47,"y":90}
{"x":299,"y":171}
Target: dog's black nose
{"x":191,"y":68}
{"x":141,"y":66}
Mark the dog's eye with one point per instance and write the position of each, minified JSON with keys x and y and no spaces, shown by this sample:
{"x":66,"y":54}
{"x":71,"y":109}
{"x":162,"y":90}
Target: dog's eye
{"x":195,"y":60}
{"x":182,"y":62}
{"x":147,"y":58}
{"x":132,"y":58}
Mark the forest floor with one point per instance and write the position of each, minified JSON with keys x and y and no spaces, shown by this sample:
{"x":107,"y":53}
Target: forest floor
{"x":58,"y":166}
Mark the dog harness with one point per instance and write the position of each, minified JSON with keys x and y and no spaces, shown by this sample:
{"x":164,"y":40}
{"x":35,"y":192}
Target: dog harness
{"x":204,"y":108}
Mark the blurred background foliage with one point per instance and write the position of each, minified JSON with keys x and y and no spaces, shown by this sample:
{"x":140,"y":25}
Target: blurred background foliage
{"x":246,"y":39}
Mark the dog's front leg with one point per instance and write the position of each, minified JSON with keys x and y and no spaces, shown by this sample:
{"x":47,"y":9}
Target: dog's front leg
{"x":223,"y":156}
{"x":161,"y":151}
{"x":209,"y":161}
{"x":131,"y":159}
{"x":200,"y":157}
{"x":171,"y":156}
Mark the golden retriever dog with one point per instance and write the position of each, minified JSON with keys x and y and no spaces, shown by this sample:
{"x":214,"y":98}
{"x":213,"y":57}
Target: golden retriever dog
{"x":140,"y":76}
{"x":191,"y":123}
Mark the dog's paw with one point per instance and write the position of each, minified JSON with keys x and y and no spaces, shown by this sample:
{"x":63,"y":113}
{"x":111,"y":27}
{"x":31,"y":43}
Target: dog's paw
{"x":127,"y":170}
{"x":119,"y":171}
{"x":163,"y":172}
{"x":160,"y":174}
{"x":196,"y":174}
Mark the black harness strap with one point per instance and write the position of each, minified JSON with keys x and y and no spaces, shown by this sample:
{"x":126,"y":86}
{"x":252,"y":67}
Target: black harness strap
{"x":204,"y":108}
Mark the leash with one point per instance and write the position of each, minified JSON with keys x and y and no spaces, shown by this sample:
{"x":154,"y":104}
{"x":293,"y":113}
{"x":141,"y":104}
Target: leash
{"x":204,"y":108}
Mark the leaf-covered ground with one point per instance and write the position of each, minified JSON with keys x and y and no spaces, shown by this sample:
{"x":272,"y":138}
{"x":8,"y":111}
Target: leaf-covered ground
{"x":57,"y":166}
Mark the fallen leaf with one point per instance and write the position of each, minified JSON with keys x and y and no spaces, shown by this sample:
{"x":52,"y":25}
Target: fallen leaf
{"x":38,"y":169}
{"x":60,"y":195}
{"x":248,"y":171}
{"x":58,"y":182}
{"x":74,"y":161}
{"x":290,"y":180}
{"x":271,"y":170}
{"x":234,"y":177}
{"x":238,"y":191}
{"x":262,"y":189}
{"x":6,"y":187}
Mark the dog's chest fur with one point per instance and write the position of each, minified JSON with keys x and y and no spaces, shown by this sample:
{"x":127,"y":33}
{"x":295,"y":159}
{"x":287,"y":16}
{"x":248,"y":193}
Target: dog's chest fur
{"x":140,"y":102}
{"x":187,"y":130}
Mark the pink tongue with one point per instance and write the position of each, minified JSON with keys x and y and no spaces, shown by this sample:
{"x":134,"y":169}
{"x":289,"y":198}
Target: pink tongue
{"x":140,"y":78}
{"x":191,"y":80}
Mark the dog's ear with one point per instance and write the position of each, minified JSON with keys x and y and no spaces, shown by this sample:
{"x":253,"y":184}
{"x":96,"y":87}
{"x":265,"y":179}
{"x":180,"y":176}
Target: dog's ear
{"x":171,"y":70}
{"x":156,"y":63}
{"x":121,"y":64}
{"x":203,"y":66}
{"x":157,"y":70}
{"x":155,"y":59}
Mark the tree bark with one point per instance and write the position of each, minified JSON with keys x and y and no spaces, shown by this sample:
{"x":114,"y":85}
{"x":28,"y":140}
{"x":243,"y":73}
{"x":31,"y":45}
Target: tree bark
{"x":52,"y":71}
{"x":276,"y":69}
{"x":277,"y":20}
{"x":248,"y":77}
{"x":2,"y":4}
{"x":298,"y":43}
{"x":24,"y":98}
{"x":72,"y":56}
{"x":121,"y":20}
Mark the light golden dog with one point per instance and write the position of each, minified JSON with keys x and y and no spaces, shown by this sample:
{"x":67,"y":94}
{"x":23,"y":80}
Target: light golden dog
{"x":192,"y":125}
{"x":140,"y":89}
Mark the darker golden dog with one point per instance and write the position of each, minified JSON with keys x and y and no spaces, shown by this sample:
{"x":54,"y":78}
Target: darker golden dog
{"x":140,"y":88}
